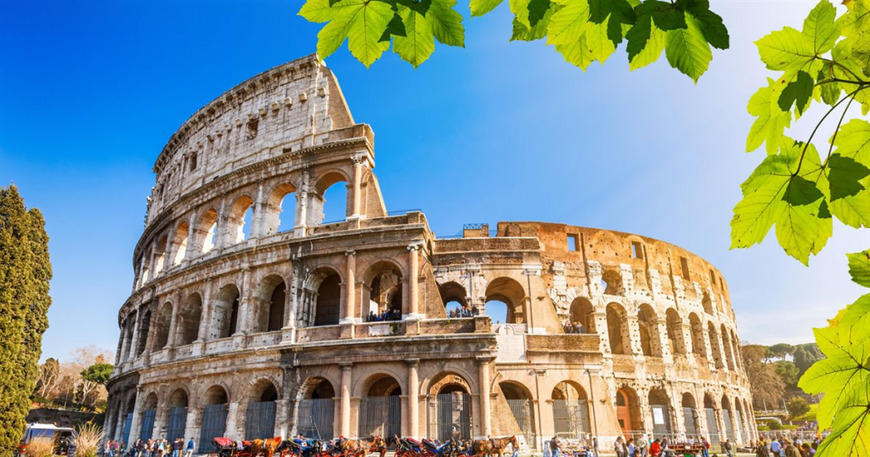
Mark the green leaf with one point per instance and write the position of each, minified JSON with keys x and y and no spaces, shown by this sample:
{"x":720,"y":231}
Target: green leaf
{"x":481,"y":7}
{"x":523,"y":33}
{"x":845,"y":176}
{"x":711,"y":24}
{"x":665,"y":15}
{"x":538,"y":9}
{"x":853,"y":140}
{"x":651,"y":52}
{"x":395,"y":28}
{"x":786,"y":50}
{"x":820,"y":29}
{"x":771,"y":121}
{"x":567,"y":24}
{"x":577,"y":54}
{"x":616,"y":13}
{"x":316,"y":11}
{"x":797,"y":92}
{"x":365,"y":29}
{"x":419,"y":42}
{"x":859,"y":267}
{"x":446,"y":23}
{"x":687,"y":49}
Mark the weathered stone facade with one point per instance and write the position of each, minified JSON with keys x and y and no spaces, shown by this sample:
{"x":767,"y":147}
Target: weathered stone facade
{"x":239,"y":327}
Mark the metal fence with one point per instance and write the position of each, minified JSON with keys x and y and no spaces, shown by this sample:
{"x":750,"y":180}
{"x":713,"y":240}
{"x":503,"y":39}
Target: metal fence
{"x":729,"y":427}
{"x":214,"y":421}
{"x":454,"y":416}
{"x":689,"y":420}
{"x":260,"y":420}
{"x":177,"y":423}
{"x":712,"y":426}
{"x":315,"y":418}
{"x":661,"y":419}
{"x":147,"y":428}
{"x":524,"y":416}
{"x":570,"y":418}
{"x":740,"y":428}
{"x":125,"y":430}
{"x":380,"y":416}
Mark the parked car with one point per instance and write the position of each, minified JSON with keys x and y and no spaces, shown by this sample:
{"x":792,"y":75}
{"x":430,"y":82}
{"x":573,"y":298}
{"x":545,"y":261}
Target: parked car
{"x":59,"y":436}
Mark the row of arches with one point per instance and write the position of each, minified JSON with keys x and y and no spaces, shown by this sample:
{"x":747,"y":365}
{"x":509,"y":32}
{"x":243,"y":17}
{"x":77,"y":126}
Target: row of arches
{"x":280,"y":209}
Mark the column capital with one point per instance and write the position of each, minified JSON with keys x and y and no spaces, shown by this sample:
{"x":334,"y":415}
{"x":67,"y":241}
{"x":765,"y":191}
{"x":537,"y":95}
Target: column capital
{"x":345,"y":366}
{"x":414,"y":246}
{"x":412,"y":362}
{"x":484,"y":359}
{"x":350,"y":252}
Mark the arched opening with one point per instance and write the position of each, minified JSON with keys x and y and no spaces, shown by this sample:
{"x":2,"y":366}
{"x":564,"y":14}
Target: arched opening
{"x":179,"y":243}
{"x":455,"y":300}
{"x":690,"y":415}
{"x":214,"y":417}
{"x":188,"y":320}
{"x":675,"y":332}
{"x":570,"y":411}
{"x":650,"y":341}
{"x":451,"y":402}
{"x":611,"y":282}
{"x":144,"y":327}
{"x":582,"y":316}
{"x":740,"y":435}
{"x":280,"y":210}
{"x":661,"y":411}
{"x":617,"y":329}
{"x":727,"y":348}
{"x":714,"y":345}
{"x":276,"y":307}
{"x":146,"y":417}
{"x":260,"y":413}
{"x":160,"y":255}
{"x":146,"y":266}
{"x":161,"y":332}
{"x":627,"y":410}
{"x":225,"y":313}
{"x":329,"y":202}
{"x":239,"y":221}
{"x":710,"y":418}
{"x":127,"y":419}
{"x":509,"y":293}
{"x":735,"y":344}
{"x":381,"y":408}
{"x":206,"y":231}
{"x":270,"y":303}
{"x":708,"y":303}
{"x":698,"y":346}
{"x":519,"y":400}
{"x":328,"y":308}
{"x":385,"y":292}
{"x":726,"y":419}
{"x":316,"y":409}
{"x":177,"y":419}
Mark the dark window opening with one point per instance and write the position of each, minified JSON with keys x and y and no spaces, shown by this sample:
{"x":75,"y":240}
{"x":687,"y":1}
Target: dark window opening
{"x":684,"y":265}
{"x":253,"y":125}
{"x":193,"y":161}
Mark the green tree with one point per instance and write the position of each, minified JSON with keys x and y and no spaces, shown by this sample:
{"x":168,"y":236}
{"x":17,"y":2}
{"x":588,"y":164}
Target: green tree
{"x":25,"y":271}
{"x":788,"y":372}
{"x":98,"y":373}
{"x":805,"y":356}
{"x":797,"y":406}
{"x":767,"y":387}
{"x":780,"y":350}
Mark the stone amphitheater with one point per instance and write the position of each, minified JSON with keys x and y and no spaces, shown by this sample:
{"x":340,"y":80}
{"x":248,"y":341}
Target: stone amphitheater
{"x":250,"y":317}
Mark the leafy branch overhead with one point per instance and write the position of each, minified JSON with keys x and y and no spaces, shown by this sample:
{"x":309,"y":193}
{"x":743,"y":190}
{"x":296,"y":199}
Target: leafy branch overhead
{"x":802,"y":185}
{"x":583,"y":31}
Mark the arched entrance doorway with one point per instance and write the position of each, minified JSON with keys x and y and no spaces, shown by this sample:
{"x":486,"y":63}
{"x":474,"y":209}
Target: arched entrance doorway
{"x":146,"y":420}
{"x":570,"y":411}
{"x":260,"y":414}
{"x":690,"y":415}
{"x":520,"y":403}
{"x":626,"y":410}
{"x":177,"y":415}
{"x":214,"y":417}
{"x":317,"y":410}
{"x":381,"y":408}
{"x":712,"y":423}
{"x":451,"y":408}
{"x":661,"y":412}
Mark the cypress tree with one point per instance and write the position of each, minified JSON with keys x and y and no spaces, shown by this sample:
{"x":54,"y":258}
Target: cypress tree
{"x":25,"y":271}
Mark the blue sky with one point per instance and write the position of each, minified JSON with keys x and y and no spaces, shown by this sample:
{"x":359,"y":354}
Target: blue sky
{"x":90,"y":91}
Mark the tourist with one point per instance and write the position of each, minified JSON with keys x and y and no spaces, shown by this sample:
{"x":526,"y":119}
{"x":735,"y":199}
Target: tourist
{"x":554,"y":447}
{"x":761,"y":449}
{"x":176,"y":447}
{"x":705,"y":447}
{"x":727,"y":447}
{"x":190,"y":446}
{"x":774,"y":448}
{"x":619,"y":447}
{"x":642,"y":445}
{"x":595,"y":445}
{"x":790,"y":450}
{"x":807,"y":451}
{"x":632,"y":450}
{"x":655,"y":449}
{"x":107,"y":449}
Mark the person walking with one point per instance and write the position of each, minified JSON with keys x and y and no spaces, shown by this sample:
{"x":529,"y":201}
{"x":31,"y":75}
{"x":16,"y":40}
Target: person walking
{"x":554,"y":446}
{"x":642,"y":445}
{"x":705,"y":447}
{"x":727,"y":447}
{"x":190,"y":446}
{"x":619,"y":447}
{"x":655,"y":448}
{"x":595,"y":445}
{"x":632,"y":450}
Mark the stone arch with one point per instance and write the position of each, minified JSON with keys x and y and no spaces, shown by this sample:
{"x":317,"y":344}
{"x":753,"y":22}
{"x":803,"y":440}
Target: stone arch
{"x":648,"y":327}
{"x":726,"y":418}
{"x":698,"y":346}
{"x":454,"y":296}
{"x":277,"y":214}
{"x":188,"y":320}
{"x":316,"y":410}
{"x":727,"y":347}
{"x":225,"y":313}
{"x":714,"y":345}
{"x":519,"y":399}
{"x":710,"y":419}
{"x":146,"y":416}
{"x":164,"y":321}
{"x":176,"y":413}
{"x":738,"y":357}
{"x":611,"y":281}
{"x":179,"y":242}
{"x":511,"y":293}
{"x":216,"y":394}
{"x":322,"y":304}
{"x":617,"y":329}
{"x":317,"y":388}
{"x":660,"y":408}
{"x":215,"y":401}
{"x":583,"y":313}
{"x":570,"y":410}
{"x":707,"y":303}
{"x":318,"y":200}
{"x":384,"y":288}
{"x":237,"y":230}
{"x":627,"y":409}
{"x":160,"y":254}
{"x":675,"y":331}
{"x":264,"y":389}
{"x":380,"y":412}
{"x":145,"y":275}
{"x":261,"y":410}
{"x":450,"y":395}
{"x":270,"y":303}
{"x":144,"y":328}
{"x":446,"y":379}
{"x":178,"y":398}
{"x":690,"y":415}
{"x":206,"y":231}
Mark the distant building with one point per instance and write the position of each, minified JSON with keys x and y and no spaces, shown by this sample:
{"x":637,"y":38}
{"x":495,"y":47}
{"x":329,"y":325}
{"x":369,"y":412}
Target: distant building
{"x":259,"y":325}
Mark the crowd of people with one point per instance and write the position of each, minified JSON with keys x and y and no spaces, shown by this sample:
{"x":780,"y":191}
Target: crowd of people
{"x":572,"y":327}
{"x":150,"y":448}
{"x":783,"y":447}
{"x":385,"y":316}
{"x":463,"y":312}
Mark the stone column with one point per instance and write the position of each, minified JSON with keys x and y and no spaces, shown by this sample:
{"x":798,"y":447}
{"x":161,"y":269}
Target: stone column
{"x":413,"y":281}
{"x":258,"y":216}
{"x":720,"y":422}
{"x":302,"y":206}
{"x":236,"y":419}
{"x":288,"y":333}
{"x":344,"y":424}
{"x":193,"y":247}
{"x":358,"y":163}
{"x":413,"y":398}
{"x":348,"y":313}
{"x":135,"y":425}
{"x":173,"y":322}
{"x":131,"y":352}
{"x":484,"y":411}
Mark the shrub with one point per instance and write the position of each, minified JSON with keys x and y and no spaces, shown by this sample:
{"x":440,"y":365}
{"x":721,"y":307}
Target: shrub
{"x":40,"y":447}
{"x":88,"y":439}
{"x":774,"y":425}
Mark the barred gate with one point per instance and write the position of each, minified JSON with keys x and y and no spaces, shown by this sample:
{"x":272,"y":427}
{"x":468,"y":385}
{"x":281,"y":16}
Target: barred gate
{"x":177,"y":423}
{"x":712,"y":427}
{"x":315,"y":418}
{"x":214,"y":421}
{"x":381,"y":416}
{"x":524,"y":415}
{"x":147,"y":428}
{"x":260,"y":420}
{"x":661,"y":419}
{"x":571,"y":418}
{"x":740,"y":426}
{"x":125,"y":430}
{"x":689,"y":420}
{"x":729,"y":427}
{"x":454,"y":416}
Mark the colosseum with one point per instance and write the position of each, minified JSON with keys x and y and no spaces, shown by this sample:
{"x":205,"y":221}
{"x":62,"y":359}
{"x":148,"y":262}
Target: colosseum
{"x":250,"y":317}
